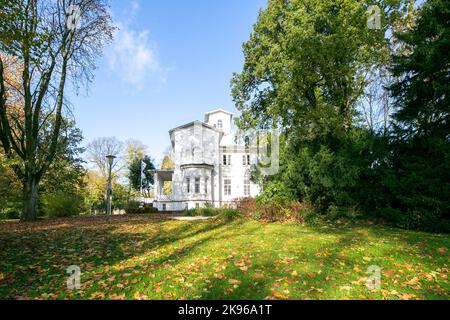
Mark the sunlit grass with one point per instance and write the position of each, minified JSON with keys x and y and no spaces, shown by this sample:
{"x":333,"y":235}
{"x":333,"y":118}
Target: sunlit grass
{"x":144,"y":258}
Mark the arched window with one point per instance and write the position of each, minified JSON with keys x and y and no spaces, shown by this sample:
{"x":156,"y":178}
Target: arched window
{"x":219,"y":124}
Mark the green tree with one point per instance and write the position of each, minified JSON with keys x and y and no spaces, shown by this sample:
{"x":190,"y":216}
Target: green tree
{"x":10,"y":188}
{"x":307,"y":64}
{"x":422,"y":91}
{"x":134,"y":175}
{"x":50,"y":53}
{"x":64,"y":182}
{"x":417,"y":175}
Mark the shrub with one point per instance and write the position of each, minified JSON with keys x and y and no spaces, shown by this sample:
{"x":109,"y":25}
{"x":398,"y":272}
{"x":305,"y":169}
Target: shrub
{"x":10,"y":214}
{"x":277,"y":209}
{"x":275,"y":191}
{"x":193,"y":212}
{"x":203,"y":212}
{"x":226,"y":213}
{"x":247,"y":206}
{"x":273,"y":206}
{"x":135,"y":207}
{"x":336,"y":213}
{"x":229,"y":214}
{"x":311,"y":216}
{"x":61,"y":205}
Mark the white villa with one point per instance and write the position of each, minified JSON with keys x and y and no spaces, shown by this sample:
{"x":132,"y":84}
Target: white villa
{"x":210,"y":166}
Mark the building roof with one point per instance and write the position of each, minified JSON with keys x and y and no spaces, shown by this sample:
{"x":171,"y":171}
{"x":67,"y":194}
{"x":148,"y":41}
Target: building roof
{"x":218,"y":111}
{"x":208,"y":114}
{"x":191,"y":124}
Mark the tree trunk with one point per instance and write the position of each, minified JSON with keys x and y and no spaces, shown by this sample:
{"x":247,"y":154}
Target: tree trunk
{"x":30,"y":199}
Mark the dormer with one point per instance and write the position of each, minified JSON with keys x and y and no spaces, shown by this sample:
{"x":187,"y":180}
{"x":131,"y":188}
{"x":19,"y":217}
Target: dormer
{"x":220,"y":119}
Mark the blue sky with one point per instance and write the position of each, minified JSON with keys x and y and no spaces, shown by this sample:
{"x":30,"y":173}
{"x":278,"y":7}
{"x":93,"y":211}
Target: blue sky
{"x":171,"y":61}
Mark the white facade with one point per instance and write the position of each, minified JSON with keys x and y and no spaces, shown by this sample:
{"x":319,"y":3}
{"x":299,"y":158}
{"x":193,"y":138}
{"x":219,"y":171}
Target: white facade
{"x":209,"y":167}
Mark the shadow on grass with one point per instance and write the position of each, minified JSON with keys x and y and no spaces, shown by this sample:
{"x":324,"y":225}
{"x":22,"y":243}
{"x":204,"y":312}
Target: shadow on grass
{"x":324,"y":258}
{"x":35,"y":259}
{"x":269,"y":279}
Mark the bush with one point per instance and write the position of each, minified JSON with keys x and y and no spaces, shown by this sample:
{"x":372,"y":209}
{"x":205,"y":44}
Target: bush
{"x":311,"y":216}
{"x":229,"y":214}
{"x":282,"y":210}
{"x":275,"y":191}
{"x":273,"y":206}
{"x":337,"y":213}
{"x":135,"y":207}
{"x":10,"y":214}
{"x":61,"y":205}
{"x":203,"y":212}
{"x":247,"y":206}
{"x":226,"y":213}
{"x":193,"y":212}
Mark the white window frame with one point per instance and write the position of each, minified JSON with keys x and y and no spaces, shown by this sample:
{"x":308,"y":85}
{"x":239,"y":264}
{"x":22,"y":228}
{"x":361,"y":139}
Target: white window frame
{"x":197,"y":185}
{"x":247,"y":190}
{"x":227,"y":187}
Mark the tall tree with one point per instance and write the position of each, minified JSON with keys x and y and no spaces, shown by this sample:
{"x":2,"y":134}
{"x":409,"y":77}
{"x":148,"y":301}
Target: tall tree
{"x":52,"y":47}
{"x":421,"y":93}
{"x":135,"y":149}
{"x":99,"y":148}
{"x":66,"y":173}
{"x":141,"y":171}
{"x":307,"y":65}
{"x":417,"y":176}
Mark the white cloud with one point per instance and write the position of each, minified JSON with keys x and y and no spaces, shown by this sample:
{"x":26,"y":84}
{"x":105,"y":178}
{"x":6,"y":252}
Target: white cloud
{"x":135,"y":6}
{"x":133,"y":57}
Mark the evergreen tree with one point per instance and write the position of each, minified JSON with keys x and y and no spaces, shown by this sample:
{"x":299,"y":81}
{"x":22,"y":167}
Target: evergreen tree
{"x":134,"y":174}
{"x":418,"y":174}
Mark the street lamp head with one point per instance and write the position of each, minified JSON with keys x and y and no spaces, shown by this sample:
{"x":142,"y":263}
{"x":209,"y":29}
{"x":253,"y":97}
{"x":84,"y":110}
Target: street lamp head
{"x":110,"y":159}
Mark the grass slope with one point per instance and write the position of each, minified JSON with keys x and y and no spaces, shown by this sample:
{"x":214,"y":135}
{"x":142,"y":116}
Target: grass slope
{"x":146,"y":258}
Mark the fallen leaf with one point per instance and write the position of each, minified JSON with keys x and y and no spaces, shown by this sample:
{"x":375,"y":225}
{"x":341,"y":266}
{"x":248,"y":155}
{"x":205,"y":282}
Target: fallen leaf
{"x":234,"y":281}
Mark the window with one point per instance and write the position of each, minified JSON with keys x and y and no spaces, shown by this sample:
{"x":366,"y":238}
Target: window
{"x":197,"y":205}
{"x":164,"y":207}
{"x":227,"y":187}
{"x":247,"y":187}
{"x":188,"y":185}
{"x":219,"y":124}
{"x":226,"y":160}
{"x":247,"y":142}
{"x":246,"y":160}
{"x":206,"y":185}
{"x":197,"y":185}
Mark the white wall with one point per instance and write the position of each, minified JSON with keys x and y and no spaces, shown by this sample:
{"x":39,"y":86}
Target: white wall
{"x":199,"y":145}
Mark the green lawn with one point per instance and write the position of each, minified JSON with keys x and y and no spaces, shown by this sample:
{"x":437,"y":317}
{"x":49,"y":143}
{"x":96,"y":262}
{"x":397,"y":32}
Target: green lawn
{"x":144,"y":258}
